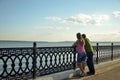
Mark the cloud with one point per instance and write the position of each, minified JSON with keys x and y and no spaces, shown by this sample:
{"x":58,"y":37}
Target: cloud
{"x":116,"y":13}
{"x":54,"y":18}
{"x":51,"y":27}
{"x":81,"y":19}
{"x":113,"y":36}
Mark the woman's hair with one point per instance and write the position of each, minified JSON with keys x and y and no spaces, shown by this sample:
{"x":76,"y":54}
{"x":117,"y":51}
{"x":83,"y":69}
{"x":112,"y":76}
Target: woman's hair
{"x":78,"y":35}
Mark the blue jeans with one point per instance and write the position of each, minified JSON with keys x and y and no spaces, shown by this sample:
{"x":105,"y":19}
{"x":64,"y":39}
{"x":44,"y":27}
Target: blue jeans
{"x":90,"y":63}
{"x":81,"y":57}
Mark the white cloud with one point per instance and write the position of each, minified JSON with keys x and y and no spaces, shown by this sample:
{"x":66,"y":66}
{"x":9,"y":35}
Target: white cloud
{"x":105,"y":37}
{"x":81,"y":19}
{"x":116,"y":13}
{"x":53,"y":18}
{"x":51,"y":27}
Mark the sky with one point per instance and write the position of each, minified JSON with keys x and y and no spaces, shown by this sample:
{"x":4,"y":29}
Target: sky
{"x":59,"y":20}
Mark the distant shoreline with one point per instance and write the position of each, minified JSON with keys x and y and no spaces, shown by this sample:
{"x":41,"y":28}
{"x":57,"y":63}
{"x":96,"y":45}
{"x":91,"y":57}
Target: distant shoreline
{"x":51,"y":41}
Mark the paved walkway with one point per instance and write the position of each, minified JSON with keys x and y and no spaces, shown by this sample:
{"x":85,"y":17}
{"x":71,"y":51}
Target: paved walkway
{"x":104,"y":71}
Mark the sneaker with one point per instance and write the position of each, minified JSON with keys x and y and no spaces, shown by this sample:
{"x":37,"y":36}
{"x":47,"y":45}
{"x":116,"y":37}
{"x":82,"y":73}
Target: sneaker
{"x":82,"y":75}
{"x":90,"y":73}
{"x":80,"y":72}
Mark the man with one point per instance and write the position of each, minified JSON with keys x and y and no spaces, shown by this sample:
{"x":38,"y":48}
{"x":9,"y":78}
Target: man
{"x":89,"y":52}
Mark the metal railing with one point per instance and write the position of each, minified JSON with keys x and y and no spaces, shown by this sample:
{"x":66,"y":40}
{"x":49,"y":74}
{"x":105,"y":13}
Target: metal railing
{"x":31,"y":62}
{"x":26,"y":63}
{"x":105,"y":53}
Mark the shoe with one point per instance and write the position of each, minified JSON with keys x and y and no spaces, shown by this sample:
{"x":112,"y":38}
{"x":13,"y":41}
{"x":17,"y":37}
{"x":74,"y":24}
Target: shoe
{"x":90,"y":73}
{"x":82,"y":75}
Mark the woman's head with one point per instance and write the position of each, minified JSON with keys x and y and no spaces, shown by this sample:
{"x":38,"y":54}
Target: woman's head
{"x":78,"y":35}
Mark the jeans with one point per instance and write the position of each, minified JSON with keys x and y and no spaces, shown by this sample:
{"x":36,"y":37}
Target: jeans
{"x":90,"y":63}
{"x":81,"y":57}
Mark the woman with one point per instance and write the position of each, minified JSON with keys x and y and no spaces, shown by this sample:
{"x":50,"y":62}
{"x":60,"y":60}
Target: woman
{"x":81,"y":56}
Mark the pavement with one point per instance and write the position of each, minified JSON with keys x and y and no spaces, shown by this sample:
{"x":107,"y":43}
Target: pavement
{"x":104,"y":71}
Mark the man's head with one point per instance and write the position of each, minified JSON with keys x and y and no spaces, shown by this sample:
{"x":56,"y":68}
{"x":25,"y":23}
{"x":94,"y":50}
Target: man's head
{"x":84,"y":36}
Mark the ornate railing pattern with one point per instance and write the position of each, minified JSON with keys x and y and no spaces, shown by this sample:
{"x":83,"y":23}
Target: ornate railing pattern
{"x":25,"y":63}
{"x":54,"y":59}
{"x":15,"y":62}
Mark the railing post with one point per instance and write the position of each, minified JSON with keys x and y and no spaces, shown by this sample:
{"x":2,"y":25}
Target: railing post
{"x":112,"y":51}
{"x":34,"y":60}
{"x":97,"y":58}
{"x":74,"y":59}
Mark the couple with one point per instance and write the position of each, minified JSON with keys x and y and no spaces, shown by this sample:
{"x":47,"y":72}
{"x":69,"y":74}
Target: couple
{"x":85,"y":51}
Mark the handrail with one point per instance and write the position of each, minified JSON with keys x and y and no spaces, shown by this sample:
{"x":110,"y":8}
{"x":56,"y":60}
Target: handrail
{"x":31,"y":62}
